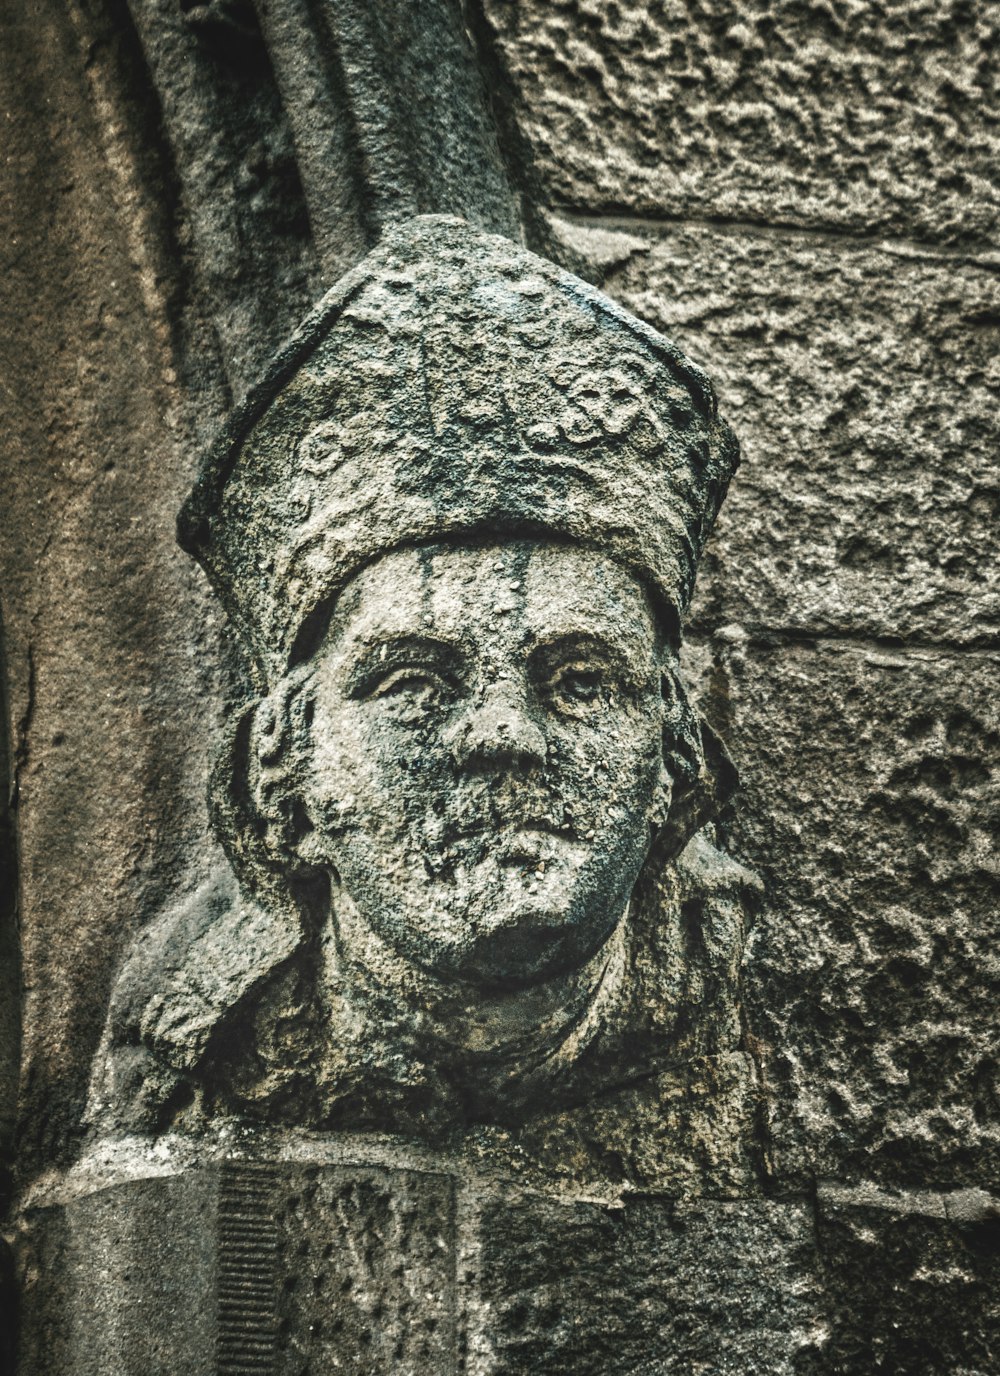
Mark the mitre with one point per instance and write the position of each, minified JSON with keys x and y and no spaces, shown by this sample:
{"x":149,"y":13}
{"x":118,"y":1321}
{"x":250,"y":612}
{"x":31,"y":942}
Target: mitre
{"x":455,"y":385}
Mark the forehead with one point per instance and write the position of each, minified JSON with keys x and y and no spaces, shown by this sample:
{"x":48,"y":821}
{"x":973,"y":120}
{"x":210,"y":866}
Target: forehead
{"x":541,"y":588}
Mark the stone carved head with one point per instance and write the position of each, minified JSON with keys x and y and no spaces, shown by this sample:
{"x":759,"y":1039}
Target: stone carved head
{"x":456,"y":530}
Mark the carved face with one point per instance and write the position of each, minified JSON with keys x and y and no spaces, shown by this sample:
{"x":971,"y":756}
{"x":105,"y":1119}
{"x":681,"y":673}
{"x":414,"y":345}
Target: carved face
{"x":485,"y":763}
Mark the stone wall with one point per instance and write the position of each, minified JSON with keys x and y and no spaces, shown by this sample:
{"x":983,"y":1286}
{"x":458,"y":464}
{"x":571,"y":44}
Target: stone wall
{"x":807,"y":204}
{"x":805,"y":197}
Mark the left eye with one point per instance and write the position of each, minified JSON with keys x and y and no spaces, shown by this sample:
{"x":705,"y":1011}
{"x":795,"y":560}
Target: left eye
{"x":582,"y":686}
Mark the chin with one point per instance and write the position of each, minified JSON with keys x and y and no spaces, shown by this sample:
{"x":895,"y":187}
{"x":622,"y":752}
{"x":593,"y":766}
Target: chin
{"x":530,"y":936}
{"x":499,"y":924}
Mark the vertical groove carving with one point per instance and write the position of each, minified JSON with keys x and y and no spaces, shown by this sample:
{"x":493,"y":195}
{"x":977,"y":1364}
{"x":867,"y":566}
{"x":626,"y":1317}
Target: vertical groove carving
{"x":248,"y":1271}
{"x":375,"y":147}
{"x":230,"y":143}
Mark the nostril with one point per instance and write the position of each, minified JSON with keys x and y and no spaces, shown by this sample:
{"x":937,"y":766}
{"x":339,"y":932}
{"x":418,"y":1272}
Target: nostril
{"x":493,"y":739}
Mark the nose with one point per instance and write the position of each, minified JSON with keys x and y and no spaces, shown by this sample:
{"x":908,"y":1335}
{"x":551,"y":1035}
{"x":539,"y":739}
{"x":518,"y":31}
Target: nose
{"x":498,"y":732}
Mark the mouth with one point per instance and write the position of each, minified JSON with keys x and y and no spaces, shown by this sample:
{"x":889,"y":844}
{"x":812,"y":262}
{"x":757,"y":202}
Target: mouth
{"x":510,"y":824}
{"x":527,"y":842}
{"x":531,"y":845}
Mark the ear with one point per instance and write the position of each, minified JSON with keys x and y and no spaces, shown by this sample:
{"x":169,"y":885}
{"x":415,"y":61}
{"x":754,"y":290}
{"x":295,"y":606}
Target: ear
{"x":696,"y":801}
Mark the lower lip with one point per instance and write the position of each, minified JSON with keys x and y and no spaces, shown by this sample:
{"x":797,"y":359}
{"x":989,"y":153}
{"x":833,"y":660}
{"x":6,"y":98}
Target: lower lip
{"x":529,"y":847}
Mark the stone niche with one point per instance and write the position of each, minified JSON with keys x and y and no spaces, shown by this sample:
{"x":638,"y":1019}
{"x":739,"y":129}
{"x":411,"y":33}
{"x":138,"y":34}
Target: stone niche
{"x":460,"y":993}
{"x":437,"y":933}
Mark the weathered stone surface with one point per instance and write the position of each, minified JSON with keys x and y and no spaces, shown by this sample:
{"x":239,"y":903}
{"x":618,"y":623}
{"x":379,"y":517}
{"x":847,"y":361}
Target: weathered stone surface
{"x":244,"y":260}
{"x":696,"y":1131}
{"x":871,"y":793}
{"x":872,"y":118}
{"x":111,"y":648}
{"x":122,"y":1281}
{"x":294,"y":1268}
{"x":655,"y":1287}
{"x":864,"y":382}
{"x":367,"y":1262}
{"x":911,"y":1281}
{"x":10,"y":966}
{"x":180,"y":179}
{"x":247,"y":1266}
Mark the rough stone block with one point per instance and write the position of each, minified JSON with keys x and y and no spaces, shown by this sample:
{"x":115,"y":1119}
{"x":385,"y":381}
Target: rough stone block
{"x":121,"y":1282}
{"x":862,"y":383}
{"x":868,"y":117}
{"x":367,"y":1273}
{"x":912,"y":1281}
{"x":870,"y":808}
{"x":653,"y":1288}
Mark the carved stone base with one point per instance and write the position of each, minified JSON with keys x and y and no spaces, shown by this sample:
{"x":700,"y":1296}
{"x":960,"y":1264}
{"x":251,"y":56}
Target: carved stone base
{"x":298,"y":1269}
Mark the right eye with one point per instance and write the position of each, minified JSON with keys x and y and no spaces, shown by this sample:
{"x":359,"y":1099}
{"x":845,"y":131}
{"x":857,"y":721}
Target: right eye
{"x":413,"y":685}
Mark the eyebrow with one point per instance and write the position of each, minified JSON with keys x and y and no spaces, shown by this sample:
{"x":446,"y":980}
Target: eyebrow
{"x":621,"y":654}
{"x":386,"y":651}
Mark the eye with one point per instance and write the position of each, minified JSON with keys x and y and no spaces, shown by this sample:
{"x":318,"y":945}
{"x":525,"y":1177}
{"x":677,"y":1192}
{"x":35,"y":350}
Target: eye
{"x":579,"y":687}
{"x":412,"y":684}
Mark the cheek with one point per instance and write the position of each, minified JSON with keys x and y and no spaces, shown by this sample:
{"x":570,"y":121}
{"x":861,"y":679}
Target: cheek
{"x":344,"y":771}
{"x":618,"y":754}
{"x":609,"y":777}
{"x":367,"y":766}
